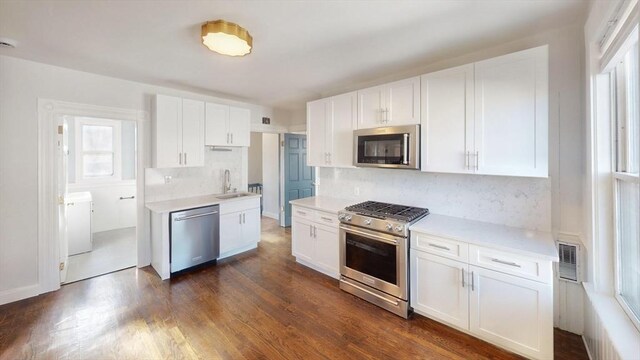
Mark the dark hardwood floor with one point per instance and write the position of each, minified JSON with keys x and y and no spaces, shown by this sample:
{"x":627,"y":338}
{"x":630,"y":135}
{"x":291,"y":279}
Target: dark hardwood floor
{"x":259,"y":305}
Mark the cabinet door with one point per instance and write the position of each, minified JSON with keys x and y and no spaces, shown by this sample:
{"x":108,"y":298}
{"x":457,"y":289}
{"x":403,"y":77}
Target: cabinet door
{"x":317,"y":116}
{"x":230,"y":231}
{"x":371,"y":107}
{"x":217,"y":125}
{"x":192,"y":133}
{"x":127,"y":206}
{"x":340,"y":136}
{"x":168,"y":131}
{"x":439,"y":288}
{"x":327,"y":251}
{"x":447,"y":120}
{"x":403,"y":102}
{"x":512,"y":312}
{"x":302,"y":239}
{"x":512,"y":114}
{"x":240,"y":126}
{"x":250,"y":227}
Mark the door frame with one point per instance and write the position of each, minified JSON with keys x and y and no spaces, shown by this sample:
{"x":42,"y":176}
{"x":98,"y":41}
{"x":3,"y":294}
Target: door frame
{"x":49,"y":113}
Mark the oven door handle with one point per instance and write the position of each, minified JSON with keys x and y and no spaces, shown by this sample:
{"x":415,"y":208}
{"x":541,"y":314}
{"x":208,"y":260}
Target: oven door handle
{"x":394,"y":303}
{"x":369,"y":234}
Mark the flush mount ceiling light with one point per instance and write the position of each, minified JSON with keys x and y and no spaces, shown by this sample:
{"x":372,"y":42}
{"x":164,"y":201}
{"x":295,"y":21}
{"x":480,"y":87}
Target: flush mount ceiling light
{"x":226,"y":38}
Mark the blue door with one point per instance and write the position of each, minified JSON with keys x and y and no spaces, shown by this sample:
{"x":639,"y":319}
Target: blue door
{"x":298,"y":177}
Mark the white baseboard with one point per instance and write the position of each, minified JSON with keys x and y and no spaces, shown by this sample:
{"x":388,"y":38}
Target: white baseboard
{"x":11,"y":295}
{"x":271,"y":215}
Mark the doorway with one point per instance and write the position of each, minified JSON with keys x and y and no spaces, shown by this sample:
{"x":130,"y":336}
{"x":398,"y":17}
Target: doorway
{"x":298,"y":178}
{"x":97,"y":182}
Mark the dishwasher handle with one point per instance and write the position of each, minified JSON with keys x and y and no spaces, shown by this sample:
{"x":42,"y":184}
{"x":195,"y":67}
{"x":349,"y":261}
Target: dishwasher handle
{"x":195,"y":216}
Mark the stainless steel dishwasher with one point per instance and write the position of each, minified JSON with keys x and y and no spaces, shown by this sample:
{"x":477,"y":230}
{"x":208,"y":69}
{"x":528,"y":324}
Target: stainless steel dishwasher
{"x":195,"y":237}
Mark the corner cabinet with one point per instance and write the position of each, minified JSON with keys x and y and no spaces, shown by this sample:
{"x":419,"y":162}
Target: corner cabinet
{"x":393,"y":104}
{"x":330,"y":125}
{"x":227,"y":125}
{"x":239,"y":226}
{"x":489,"y":118}
{"x":498,"y":296}
{"x":315,"y":240}
{"x":178,"y":132}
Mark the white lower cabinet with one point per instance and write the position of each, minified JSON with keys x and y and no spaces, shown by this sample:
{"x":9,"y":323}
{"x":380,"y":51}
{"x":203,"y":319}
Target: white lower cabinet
{"x":315,"y":242}
{"x":239,"y":227}
{"x":504,"y":309}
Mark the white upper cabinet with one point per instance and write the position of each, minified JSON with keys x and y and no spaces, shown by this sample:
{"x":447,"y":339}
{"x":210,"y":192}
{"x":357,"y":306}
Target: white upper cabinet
{"x":227,"y":125}
{"x":447,"y":120}
{"x":393,"y":104}
{"x":489,"y":118}
{"x":512,"y":114}
{"x":178,"y":137}
{"x":330,"y":125}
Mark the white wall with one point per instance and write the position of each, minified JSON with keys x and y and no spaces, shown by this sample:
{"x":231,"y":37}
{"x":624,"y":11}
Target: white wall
{"x":255,"y":158}
{"x":271,"y":175}
{"x":21,"y":84}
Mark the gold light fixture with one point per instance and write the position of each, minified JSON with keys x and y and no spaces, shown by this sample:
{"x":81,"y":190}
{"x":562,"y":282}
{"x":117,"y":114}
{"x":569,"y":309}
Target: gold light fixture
{"x":226,"y":38}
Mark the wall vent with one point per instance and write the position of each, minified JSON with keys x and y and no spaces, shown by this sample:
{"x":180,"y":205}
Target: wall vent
{"x":569,"y":261}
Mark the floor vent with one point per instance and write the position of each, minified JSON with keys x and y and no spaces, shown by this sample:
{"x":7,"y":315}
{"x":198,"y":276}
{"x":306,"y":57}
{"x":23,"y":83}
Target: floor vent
{"x":568,"y":265}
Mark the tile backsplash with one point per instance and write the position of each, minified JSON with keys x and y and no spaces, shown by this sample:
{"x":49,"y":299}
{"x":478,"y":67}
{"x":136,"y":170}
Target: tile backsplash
{"x":196,"y":181}
{"x":513,"y":201}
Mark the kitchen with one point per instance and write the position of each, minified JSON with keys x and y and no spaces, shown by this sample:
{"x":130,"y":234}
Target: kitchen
{"x":488,"y":227}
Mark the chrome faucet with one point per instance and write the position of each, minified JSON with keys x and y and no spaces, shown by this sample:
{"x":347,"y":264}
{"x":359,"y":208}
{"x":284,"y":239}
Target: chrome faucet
{"x":227,"y":181}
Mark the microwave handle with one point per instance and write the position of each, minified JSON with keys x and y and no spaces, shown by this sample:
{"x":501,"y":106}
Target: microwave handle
{"x":405,"y":149}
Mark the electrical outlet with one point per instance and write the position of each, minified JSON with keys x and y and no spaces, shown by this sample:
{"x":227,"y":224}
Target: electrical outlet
{"x":167,"y":179}
{"x":356,"y":191}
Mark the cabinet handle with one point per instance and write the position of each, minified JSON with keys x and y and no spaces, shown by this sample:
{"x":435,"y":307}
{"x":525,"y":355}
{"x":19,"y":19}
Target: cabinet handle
{"x":240,"y":219}
{"x":510,"y":263}
{"x":462,"y":277}
{"x":326,"y":219}
{"x":477,"y":161}
{"x":315,"y":232}
{"x":466,"y":160}
{"x":244,"y":218}
{"x":180,"y":158}
{"x":473,"y":282}
{"x":310,"y":231}
{"x":127,"y":198}
{"x":227,"y":138}
{"x":386,"y":115}
{"x":232,"y":138}
{"x":185,"y":158}
{"x":302,"y":213}
{"x":439,"y":247}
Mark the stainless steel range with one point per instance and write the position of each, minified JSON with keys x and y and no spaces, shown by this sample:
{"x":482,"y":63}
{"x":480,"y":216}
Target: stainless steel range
{"x":374,"y":253}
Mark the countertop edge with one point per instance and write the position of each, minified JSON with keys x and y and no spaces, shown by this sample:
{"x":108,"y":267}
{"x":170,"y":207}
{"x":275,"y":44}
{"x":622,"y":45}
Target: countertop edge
{"x":158,"y":207}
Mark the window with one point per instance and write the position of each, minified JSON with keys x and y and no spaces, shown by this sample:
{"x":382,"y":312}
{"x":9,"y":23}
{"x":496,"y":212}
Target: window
{"x":627,"y":180}
{"x":98,"y":150}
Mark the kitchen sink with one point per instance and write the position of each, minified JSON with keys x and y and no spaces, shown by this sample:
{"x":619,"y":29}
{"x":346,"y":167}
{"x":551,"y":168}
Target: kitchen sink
{"x":232,"y":196}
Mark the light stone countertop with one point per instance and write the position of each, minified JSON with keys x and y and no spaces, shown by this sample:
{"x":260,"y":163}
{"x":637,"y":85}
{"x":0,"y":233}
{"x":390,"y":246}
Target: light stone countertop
{"x":194,"y":202}
{"x":323,"y":203}
{"x":525,"y":242}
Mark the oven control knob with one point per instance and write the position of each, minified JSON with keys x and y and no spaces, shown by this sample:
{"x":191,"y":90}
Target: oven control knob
{"x":341,"y":216}
{"x":348,"y":217}
{"x":399,"y":228}
{"x":367,"y":222}
{"x":389,"y":227}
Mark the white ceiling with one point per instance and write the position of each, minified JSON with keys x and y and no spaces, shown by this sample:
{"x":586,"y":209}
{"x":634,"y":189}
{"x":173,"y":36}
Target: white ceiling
{"x":301,"y":48}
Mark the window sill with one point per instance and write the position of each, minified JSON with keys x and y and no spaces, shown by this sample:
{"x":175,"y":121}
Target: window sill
{"x":624,"y":336}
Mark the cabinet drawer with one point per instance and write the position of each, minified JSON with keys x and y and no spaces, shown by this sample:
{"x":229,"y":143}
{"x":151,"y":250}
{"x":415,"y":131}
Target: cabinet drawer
{"x":509,"y":263}
{"x":303,"y":213}
{"x":325,"y":218}
{"x":228,"y":207}
{"x":440,"y":246}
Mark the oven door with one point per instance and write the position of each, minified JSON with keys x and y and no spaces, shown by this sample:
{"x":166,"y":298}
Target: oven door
{"x":375,"y":259}
{"x":390,"y":147}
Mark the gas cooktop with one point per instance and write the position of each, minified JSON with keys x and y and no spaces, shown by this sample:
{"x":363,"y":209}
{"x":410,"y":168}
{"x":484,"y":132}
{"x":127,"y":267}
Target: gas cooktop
{"x":388,"y":211}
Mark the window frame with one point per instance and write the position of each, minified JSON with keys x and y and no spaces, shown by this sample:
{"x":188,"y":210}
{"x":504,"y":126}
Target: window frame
{"x":117,"y":150}
{"x":620,"y":161}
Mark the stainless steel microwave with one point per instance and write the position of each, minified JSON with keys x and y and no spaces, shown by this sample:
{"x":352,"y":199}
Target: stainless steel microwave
{"x":387,"y":147}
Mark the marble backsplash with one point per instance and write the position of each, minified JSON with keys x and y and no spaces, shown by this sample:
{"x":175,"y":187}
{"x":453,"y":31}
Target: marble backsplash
{"x":513,"y":201}
{"x":196,"y":181}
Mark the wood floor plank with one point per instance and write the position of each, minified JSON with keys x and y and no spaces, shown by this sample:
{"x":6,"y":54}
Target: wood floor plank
{"x":257,"y":305}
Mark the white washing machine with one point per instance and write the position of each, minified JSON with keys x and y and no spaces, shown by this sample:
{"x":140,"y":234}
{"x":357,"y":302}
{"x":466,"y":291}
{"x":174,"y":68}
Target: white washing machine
{"x":79,"y":209}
